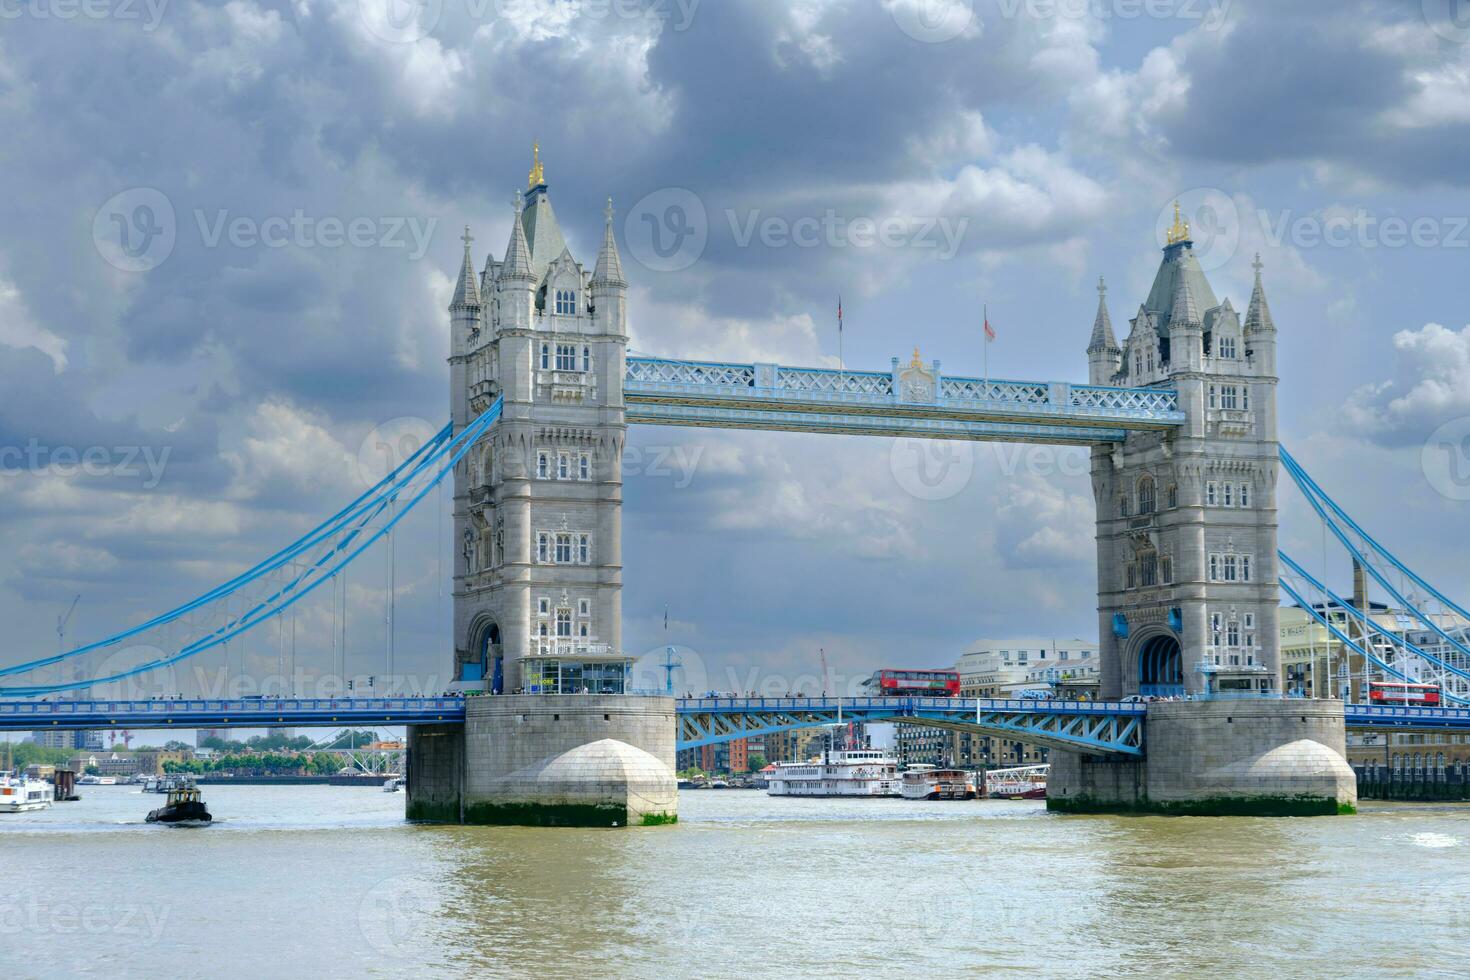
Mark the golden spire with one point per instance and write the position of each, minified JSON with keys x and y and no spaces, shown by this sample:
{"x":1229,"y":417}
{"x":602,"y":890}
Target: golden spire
{"x":916,"y":362}
{"x":537,"y":174}
{"x":1179,"y":231}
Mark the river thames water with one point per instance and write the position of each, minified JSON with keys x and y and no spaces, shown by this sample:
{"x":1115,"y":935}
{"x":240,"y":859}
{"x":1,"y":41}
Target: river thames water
{"x":325,"y":881}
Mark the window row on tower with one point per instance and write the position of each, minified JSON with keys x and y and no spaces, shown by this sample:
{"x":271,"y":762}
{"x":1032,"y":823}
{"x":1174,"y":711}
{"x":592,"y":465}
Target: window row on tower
{"x":1233,"y":638}
{"x":1229,"y":567}
{"x":565,"y":357}
{"x":1147,"y":499}
{"x":563,"y":548}
{"x":559,"y":465}
{"x":1230,"y":397}
{"x":1148,"y":570}
{"x":1228,"y":494}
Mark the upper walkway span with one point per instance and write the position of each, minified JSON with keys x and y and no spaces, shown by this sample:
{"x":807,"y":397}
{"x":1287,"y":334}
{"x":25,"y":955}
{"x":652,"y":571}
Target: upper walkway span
{"x":913,"y":401}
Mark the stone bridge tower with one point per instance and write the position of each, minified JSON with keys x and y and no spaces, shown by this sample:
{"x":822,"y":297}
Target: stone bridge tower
{"x":1186,"y":520}
{"x":537,"y":504}
{"x":1187,"y":590}
{"x":557,"y":740}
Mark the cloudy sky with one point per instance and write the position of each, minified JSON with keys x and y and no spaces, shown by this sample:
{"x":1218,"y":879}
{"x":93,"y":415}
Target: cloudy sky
{"x":230,"y":231}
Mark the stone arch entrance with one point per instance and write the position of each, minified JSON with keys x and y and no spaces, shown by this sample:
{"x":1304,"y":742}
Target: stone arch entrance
{"x":1161,"y":667}
{"x":486,"y":661}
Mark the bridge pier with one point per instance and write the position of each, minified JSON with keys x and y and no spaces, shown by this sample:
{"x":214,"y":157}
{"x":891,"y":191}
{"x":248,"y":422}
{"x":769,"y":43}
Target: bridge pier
{"x":1254,"y":757}
{"x":572,"y":760}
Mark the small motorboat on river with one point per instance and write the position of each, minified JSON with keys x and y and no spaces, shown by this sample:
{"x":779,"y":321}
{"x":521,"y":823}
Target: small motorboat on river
{"x":184,"y":808}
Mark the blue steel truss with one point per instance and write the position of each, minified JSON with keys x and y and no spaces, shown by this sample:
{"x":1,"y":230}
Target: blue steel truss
{"x":660,"y":391}
{"x":1091,"y":727}
{"x":28,"y":715}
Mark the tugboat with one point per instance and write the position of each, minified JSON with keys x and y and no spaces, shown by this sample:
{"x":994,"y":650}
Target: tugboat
{"x":183,"y":809}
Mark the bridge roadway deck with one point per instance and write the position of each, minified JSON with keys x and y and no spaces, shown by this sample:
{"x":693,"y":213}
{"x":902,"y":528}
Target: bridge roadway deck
{"x":1089,"y":726}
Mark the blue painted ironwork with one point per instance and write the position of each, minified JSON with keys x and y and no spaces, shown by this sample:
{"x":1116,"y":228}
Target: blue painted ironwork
{"x":662,"y":391}
{"x":342,"y":541}
{"x":1369,"y":554}
{"x":1391,"y":716}
{"x":30,"y":715}
{"x":1370,"y":630}
{"x":1091,"y":727}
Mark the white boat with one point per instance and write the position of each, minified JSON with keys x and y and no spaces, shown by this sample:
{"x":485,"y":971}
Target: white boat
{"x":394,"y":784}
{"x":925,"y":782}
{"x":862,"y":772}
{"x":1020,"y":783}
{"x":17,"y":795}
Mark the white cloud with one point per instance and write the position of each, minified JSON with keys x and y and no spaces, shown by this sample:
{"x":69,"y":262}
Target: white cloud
{"x":690,"y":331}
{"x":1041,"y":525}
{"x":19,"y":329}
{"x":1430,"y":386}
{"x":289,"y":448}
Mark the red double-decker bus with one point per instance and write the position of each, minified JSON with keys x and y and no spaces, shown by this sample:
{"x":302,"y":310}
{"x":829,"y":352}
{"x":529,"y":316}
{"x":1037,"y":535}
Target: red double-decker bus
{"x":1402,"y":692}
{"x":923,"y":683}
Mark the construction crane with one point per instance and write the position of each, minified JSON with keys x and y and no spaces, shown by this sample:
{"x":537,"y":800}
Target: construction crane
{"x":61,"y":622}
{"x":670,"y":664}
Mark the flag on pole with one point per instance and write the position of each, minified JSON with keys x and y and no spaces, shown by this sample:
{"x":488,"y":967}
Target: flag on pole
{"x":839,"y":331}
{"x":989,"y":330}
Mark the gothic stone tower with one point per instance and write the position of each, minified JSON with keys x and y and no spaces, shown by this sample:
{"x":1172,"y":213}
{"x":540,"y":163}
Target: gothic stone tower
{"x":537,"y":504}
{"x":1186,"y":564}
{"x":1186,"y":520}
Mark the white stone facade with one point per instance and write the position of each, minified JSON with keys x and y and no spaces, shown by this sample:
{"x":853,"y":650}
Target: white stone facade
{"x":538,"y":502}
{"x":1186,"y":520}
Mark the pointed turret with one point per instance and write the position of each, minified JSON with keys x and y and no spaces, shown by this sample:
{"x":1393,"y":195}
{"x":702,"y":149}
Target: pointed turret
{"x":467,"y":289}
{"x":609,"y":265}
{"x":1102,"y":324}
{"x":609,"y":286}
{"x":1103,"y":353}
{"x":517,"y":265}
{"x":1185,"y":348}
{"x":1258,"y":314}
{"x":1183,"y":309}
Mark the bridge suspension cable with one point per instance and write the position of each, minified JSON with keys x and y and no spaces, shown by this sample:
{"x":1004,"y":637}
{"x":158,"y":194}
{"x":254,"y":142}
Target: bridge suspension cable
{"x":322,"y":531}
{"x":333,"y":545}
{"x":1448,"y":664}
{"x":1390,"y":652}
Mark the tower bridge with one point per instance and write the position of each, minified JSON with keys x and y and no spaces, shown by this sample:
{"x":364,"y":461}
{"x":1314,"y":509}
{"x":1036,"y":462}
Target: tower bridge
{"x":1180,"y":417}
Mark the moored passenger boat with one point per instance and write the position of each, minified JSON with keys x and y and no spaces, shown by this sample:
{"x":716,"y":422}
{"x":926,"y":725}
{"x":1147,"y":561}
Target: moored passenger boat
{"x":924,"y":782}
{"x":1020,"y":783}
{"x":861,"y":772}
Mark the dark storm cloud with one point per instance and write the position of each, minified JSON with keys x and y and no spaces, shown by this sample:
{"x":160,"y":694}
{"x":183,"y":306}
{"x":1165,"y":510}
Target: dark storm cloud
{"x":1302,"y":81}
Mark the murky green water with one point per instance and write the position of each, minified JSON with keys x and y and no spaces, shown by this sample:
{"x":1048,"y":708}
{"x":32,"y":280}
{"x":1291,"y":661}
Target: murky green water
{"x":328,"y":882}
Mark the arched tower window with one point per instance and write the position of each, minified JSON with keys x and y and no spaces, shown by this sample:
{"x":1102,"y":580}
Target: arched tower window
{"x":566,"y":302}
{"x":1147,"y":503}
